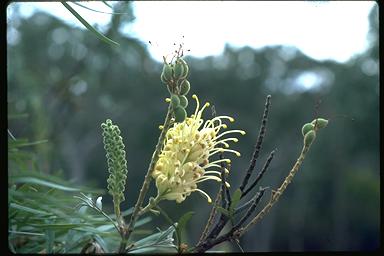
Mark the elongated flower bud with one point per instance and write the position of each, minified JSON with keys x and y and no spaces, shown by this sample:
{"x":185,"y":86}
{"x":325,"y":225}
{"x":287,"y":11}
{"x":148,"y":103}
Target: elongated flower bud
{"x":117,"y":165}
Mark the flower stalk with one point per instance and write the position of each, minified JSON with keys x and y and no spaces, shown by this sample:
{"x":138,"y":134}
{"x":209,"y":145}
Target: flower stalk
{"x":143,"y":191}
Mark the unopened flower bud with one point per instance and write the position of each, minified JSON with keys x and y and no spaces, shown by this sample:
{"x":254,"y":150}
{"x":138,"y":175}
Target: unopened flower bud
{"x":185,"y":68}
{"x":184,"y":87}
{"x":180,"y":114}
{"x":306,"y":128}
{"x":175,"y":101}
{"x":183,"y":101}
{"x":178,"y":70}
{"x":320,"y":122}
{"x":309,"y":138}
{"x":166,"y":75}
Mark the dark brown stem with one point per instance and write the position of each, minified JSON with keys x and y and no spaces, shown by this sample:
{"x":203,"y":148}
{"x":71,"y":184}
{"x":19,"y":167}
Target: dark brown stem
{"x":225,"y":196}
{"x":276,"y":194}
{"x":211,"y":217}
{"x":254,"y":202}
{"x":260,"y":174}
{"x":258,"y":144}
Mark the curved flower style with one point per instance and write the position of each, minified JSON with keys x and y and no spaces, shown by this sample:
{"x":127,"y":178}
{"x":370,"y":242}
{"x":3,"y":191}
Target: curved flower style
{"x":184,"y":160}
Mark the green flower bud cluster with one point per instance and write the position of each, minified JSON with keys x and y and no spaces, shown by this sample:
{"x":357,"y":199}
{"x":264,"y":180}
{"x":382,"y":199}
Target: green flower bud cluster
{"x":117,"y":165}
{"x":175,"y":77}
{"x":309,"y":130}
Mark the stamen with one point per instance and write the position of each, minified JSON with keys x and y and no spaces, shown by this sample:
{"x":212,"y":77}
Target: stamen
{"x":215,"y":172}
{"x":211,"y":165}
{"x":199,"y":114}
{"x":227,"y":139}
{"x":221,"y":160}
{"x":208,"y":177}
{"x":205,"y":194}
{"x":197,"y":104}
{"x":217,"y":150}
{"x":230,"y":131}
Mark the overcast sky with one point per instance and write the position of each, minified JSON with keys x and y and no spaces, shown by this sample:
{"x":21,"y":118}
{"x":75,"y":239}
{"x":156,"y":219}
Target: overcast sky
{"x":322,"y":30}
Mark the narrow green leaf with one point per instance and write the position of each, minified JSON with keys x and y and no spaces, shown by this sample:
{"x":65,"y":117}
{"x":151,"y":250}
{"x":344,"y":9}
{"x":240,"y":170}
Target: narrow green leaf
{"x":32,"y":143}
{"x":25,"y":233}
{"x":223,"y":211}
{"x":59,"y":225}
{"x":32,"y":180}
{"x":235,"y":199}
{"x":101,"y":242}
{"x":24,"y":143}
{"x":27,"y":209}
{"x":105,"y":2}
{"x":86,"y":7}
{"x":50,"y":237}
{"x":157,"y":239}
{"x":88,"y":26}
{"x":183,"y":222}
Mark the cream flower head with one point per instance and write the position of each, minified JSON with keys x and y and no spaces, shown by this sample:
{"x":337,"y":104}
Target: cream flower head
{"x":184,"y":160}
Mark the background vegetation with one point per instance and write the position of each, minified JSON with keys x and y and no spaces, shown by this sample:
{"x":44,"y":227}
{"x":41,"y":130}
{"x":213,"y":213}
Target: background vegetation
{"x":63,"y":82}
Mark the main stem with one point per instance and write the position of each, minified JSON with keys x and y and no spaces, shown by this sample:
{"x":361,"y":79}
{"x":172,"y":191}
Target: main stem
{"x":128,"y":231}
{"x":117,"y":212}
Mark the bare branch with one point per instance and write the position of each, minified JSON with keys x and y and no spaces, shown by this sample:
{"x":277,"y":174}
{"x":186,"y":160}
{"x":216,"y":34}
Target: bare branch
{"x":260,"y":174}
{"x":258,"y":144}
{"x":255,"y":200}
{"x":211,"y":217}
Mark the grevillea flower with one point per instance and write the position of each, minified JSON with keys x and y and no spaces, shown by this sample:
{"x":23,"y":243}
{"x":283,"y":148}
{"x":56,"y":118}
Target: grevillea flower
{"x":185,"y":158}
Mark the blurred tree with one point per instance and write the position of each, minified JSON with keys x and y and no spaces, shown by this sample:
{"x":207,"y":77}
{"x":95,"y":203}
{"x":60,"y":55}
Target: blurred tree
{"x":69,"y":82}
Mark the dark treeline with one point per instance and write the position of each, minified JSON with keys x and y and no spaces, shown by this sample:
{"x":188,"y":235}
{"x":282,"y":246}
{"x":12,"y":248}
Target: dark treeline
{"x":68,"y":82}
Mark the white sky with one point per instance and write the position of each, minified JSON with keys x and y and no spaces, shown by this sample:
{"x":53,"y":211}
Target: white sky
{"x":322,"y":30}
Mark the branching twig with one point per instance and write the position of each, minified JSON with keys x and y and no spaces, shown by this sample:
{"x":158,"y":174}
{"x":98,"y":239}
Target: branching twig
{"x":225,"y":196}
{"x":254,"y":202}
{"x":258,"y":144}
{"x":261,"y":173}
{"x":236,"y":231}
{"x":276,"y":194}
{"x":241,"y":208}
{"x":225,"y":201}
{"x":211,"y":217}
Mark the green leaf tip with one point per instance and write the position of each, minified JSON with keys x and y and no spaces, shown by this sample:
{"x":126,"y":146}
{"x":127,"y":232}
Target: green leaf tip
{"x":90,"y":27}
